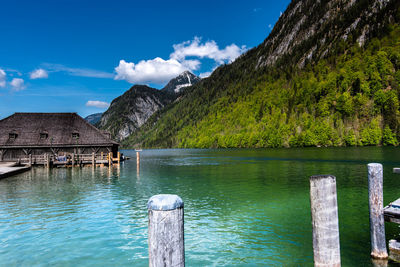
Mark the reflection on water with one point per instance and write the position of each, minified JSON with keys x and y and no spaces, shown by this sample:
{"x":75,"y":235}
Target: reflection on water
{"x":242,"y":207}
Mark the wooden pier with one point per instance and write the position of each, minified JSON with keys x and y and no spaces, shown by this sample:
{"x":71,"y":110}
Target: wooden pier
{"x":70,"y":160}
{"x":392,"y":212}
{"x":11,"y":168}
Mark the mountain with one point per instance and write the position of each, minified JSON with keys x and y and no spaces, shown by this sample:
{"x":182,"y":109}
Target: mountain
{"x":94,"y":118}
{"x":131,"y":110}
{"x":327,"y":75}
{"x":183,"y":80}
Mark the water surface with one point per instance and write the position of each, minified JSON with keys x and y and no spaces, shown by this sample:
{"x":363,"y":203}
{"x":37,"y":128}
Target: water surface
{"x":242,"y":207}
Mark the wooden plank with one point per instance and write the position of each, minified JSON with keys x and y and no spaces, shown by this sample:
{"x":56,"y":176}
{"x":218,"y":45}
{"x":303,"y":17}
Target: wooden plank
{"x":392,"y":212}
{"x":9,"y":171}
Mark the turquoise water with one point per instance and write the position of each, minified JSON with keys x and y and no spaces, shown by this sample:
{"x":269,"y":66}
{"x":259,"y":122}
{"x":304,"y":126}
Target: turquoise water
{"x":242,"y":207}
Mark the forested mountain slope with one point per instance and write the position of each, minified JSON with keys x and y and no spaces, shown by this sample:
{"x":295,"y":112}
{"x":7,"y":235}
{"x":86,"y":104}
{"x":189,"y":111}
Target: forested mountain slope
{"x":327,"y":75}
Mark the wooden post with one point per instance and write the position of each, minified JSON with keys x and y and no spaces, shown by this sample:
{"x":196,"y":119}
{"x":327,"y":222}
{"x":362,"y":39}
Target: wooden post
{"x":166,"y":235}
{"x":119,"y":157}
{"x":109,"y":159}
{"x":394,"y":249}
{"x":47,"y":161}
{"x":93,"y":159}
{"x":30,"y":159}
{"x":101,"y":157}
{"x":325,"y":220}
{"x":73,"y":159}
{"x":376,"y":220}
{"x":137,"y":162}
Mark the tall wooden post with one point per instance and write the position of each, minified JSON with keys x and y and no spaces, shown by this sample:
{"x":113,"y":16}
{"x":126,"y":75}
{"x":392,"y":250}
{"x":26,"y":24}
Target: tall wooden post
{"x":109,"y":159}
{"x":166,"y":234}
{"x":137,"y":162}
{"x":93,"y":159}
{"x":119,"y":157}
{"x":325,"y":220}
{"x":376,"y":220}
{"x":48,"y":161}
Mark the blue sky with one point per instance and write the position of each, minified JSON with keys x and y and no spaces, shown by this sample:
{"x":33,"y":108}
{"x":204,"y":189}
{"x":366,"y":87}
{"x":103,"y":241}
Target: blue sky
{"x":77,"y":56}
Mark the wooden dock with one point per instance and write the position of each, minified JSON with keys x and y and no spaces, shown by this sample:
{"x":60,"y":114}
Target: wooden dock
{"x":392,"y":212}
{"x":11,"y":168}
{"x":71,"y":160}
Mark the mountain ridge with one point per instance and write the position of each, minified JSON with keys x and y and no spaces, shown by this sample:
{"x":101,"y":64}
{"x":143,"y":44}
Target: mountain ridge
{"x":177,"y":84}
{"x":93,"y":118}
{"x":130,"y":111}
{"x":234,"y":107}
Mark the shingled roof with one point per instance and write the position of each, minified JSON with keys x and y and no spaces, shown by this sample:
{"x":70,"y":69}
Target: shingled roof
{"x":50,"y":129}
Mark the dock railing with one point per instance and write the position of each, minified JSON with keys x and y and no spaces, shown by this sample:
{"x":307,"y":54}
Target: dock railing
{"x":74,"y":159}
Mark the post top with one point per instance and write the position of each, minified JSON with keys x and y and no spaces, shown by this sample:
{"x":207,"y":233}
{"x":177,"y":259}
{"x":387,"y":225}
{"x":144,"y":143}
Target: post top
{"x":164,"y":202}
{"x":374,"y":165}
{"x":322,"y":176}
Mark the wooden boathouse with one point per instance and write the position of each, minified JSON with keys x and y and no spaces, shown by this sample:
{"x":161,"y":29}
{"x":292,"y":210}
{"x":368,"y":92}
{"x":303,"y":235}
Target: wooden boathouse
{"x":53,"y":135}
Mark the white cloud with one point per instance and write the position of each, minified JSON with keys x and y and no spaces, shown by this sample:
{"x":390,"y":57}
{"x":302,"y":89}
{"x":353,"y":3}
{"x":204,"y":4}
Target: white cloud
{"x":160,"y":71}
{"x":17,"y":84}
{"x":82,"y":72}
{"x":39,"y":74}
{"x":205,"y":74}
{"x":155,"y":70}
{"x":209,"y":49}
{"x":2,"y":78}
{"x":97,"y":104}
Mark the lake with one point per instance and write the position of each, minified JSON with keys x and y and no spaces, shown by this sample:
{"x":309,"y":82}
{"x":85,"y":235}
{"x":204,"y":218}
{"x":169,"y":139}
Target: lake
{"x":243,"y":207}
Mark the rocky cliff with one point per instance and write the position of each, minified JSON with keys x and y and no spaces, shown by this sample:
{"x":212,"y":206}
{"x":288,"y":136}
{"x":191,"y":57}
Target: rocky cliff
{"x":131,"y":110}
{"x":94,"y":118}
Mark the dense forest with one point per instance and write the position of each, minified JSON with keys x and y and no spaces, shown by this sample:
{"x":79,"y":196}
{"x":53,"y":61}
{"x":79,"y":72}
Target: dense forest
{"x":348,"y":98}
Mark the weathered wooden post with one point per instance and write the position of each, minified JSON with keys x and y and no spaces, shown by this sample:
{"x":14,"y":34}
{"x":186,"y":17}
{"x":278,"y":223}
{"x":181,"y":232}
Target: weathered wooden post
{"x":119,"y":157}
{"x":325,"y":220}
{"x":109,"y":159}
{"x":48,"y":161}
{"x":166,"y":235}
{"x":137,"y":162}
{"x":376,"y":220}
{"x":93,"y":159}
